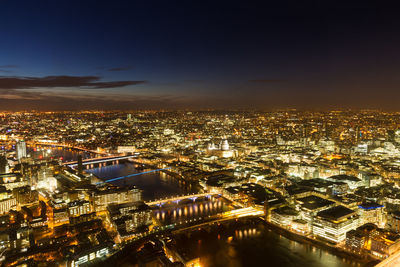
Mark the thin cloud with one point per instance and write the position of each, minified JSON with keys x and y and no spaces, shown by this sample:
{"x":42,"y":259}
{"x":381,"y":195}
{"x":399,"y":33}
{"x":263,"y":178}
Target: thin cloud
{"x":20,"y":100}
{"x":7,"y":68}
{"x":267,"y":81}
{"x":88,"y":82}
{"x":119,"y":69}
{"x":194,"y":81}
{"x":5,"y":71}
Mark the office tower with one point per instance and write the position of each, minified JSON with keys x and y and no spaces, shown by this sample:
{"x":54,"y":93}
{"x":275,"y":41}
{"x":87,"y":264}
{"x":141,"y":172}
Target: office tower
{"x":21,"y":150}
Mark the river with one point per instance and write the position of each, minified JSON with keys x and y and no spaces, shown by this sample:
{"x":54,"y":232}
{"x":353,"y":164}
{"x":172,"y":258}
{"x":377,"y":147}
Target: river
{"x":238,"y":244}
{"x":251,"y":243}
{"x":154,"y":185}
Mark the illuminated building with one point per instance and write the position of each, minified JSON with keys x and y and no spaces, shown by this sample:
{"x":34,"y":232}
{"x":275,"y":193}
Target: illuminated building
{"x":300,"y":226}
{"x":129,"y":217}
{"x":91,"y":254}
{"x":38,"y":222}
{"x":333,"y":224}
{"x":310,"y":205}
{"x":361,"y":148}
{"x":371,"y":213}
{"x":60,"y":216}
{"x":20,"y":150}
{"x":385,"y":243}
{"x":115,"y":195}
{"x":352,"y":181}
{"x":7,"y":204}
{"x":168,"y":131}
{"x":393,"y":221}
{"x":284,"y":216}
{"x":48,"y":183}
{"x":359,"y":239}
{"x":12,"y":180}
{"x":224,"y":145}
{"x":4,"y":193}
{"x":223,"y":150}
{"x":78,"y":208}
{"x":125,"y":149}
{"x":302,"y":170}
{"x":25,"y":195}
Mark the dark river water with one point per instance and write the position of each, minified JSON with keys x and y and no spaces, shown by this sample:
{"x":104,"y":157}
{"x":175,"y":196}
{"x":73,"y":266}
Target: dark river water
{"x":238,"y":244}
{"x":251,"y":243}
{"x":155,"y":185}
{"x":190,"y":209}
{"x":65,"y":154}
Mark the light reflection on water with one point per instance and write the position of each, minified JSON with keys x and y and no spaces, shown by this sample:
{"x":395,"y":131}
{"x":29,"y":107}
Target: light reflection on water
{"x":251,"y":244}
{"x":187,"y":209}
{"x":248,"y":245}
{"x":65,"y":154}
{"x":155,"y":185}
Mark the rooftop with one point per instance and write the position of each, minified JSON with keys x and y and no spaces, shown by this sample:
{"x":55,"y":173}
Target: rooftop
{"x":314,"y":202}
{"x":336,"y":213}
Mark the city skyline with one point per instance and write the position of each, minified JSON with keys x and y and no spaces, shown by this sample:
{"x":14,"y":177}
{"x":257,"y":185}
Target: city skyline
{"x":98,"y":55}
{"x":199,"y":134}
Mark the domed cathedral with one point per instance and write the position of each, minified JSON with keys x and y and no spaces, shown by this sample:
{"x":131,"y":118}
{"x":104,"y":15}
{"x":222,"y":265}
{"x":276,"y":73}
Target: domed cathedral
{"x":224,"y":145}
{"x":222,"y":150}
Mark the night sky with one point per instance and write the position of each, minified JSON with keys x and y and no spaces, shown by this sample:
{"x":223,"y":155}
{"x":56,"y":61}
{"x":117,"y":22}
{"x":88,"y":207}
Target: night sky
{"x":63,"y":55}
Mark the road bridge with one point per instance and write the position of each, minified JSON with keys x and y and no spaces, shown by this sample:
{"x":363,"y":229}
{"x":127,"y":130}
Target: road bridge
{"x":219,"y":218}
{"x":176,"y":199}
{"x":67,"y":146}
{"x":98,"y":160}
{"x":131,"y":175}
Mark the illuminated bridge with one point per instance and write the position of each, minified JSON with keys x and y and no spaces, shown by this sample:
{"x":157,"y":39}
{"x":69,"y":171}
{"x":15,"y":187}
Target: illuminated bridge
{"x":131,"y":175}
{"x":219,"y":218}
{"x":196,"y":223}
{"x":99,"y":160}
{"x":67,"y":146}
{"x":176,"y":199}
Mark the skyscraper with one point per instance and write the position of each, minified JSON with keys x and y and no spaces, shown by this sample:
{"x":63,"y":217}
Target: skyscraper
{"x":129,"y":117}
{"x":21,"y":149}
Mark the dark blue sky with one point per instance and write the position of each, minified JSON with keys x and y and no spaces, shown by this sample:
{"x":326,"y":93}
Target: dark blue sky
{"x":196,"y":54}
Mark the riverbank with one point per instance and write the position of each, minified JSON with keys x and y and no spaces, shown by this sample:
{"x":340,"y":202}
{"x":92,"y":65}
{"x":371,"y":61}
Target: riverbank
{"x":366,"y":261}
{"x":153,"y":186}
{"x":175,"y":175}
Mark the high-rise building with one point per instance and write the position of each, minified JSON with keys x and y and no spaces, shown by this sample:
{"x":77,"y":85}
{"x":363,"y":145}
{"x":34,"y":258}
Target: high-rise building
{"x":21,"y":149}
